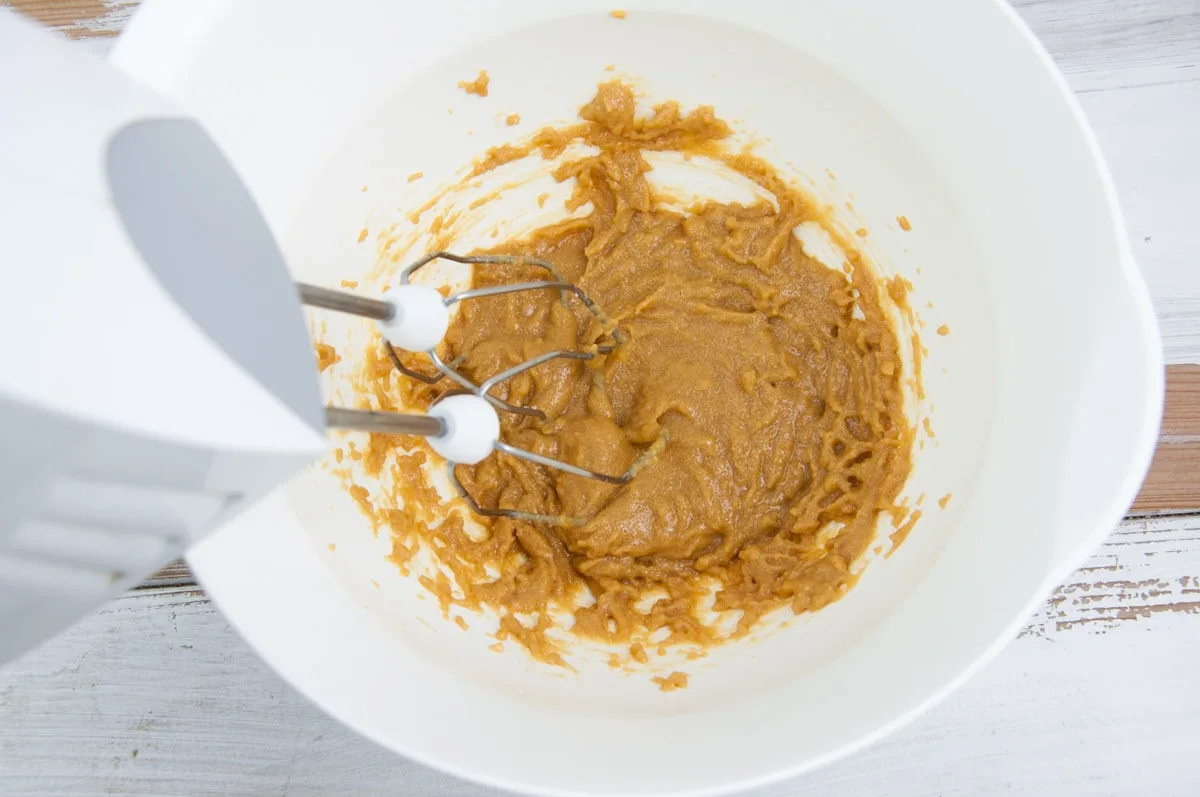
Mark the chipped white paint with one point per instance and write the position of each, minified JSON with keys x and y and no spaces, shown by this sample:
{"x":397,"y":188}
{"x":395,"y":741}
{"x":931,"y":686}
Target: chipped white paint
{"x":79,"y":19}
{"x":156,"y":695}
{"x":1135,"y":577}
{"x":112,"y":22}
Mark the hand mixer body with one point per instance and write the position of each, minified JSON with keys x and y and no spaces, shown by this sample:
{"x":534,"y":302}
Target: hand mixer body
{"x":158,"y":374}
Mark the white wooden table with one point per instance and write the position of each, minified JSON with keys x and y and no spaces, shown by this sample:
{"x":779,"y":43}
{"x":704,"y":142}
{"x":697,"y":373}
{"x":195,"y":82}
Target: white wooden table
{"x":154,"y":694}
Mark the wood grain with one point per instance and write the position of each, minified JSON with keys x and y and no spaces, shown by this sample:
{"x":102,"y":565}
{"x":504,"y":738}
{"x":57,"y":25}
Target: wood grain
{"x":175,"y":574}
{"x":79,"y":19}
{"x":1173,"y":482}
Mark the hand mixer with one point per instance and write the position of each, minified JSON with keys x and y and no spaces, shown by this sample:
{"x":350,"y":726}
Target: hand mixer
{"x":158,"y":374}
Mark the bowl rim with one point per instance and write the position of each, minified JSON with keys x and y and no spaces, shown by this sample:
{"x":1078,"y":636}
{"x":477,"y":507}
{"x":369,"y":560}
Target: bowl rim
{"x":142,"y":48}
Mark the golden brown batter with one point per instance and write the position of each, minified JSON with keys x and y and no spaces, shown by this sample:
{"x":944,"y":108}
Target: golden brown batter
{"x":776,"y":380}
{"x":326,"y":356}
{"x":477,"y":86}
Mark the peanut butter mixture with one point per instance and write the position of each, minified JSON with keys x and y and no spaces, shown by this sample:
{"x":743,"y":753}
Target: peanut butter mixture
{"x":773,"y":380}
{"x":477,"y":86}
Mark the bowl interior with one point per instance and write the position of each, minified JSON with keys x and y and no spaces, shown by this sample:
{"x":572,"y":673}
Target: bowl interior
{"x":816,"y":122}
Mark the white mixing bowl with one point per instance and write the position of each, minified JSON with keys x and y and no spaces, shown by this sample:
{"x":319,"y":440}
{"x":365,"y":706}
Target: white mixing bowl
{"x":1045,"y":396}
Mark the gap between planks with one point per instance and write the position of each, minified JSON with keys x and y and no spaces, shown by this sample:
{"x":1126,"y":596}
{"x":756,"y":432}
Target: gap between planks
{"x":1173,"y":482}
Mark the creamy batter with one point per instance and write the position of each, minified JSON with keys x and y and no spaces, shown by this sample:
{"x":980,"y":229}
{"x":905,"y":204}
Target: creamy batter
{"x":775,"y":380}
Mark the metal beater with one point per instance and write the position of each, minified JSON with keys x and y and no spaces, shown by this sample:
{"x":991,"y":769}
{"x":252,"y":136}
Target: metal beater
{"x":462,"y":427}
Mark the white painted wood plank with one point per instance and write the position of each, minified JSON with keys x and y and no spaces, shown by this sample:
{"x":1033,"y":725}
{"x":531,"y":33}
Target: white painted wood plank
{"x":1149,"y":135}
{"x":1135,"y":66}
{"x":1099,"y":696}
{"x":1111,"y":41}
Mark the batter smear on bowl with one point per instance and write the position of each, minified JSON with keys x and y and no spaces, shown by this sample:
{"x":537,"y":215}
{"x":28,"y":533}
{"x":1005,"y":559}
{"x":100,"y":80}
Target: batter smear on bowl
{"x":775,"y":380}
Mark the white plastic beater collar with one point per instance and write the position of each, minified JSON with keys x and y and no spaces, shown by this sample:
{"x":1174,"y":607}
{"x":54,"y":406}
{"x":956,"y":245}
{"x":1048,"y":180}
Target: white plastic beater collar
{"x":419,"y":320}
{"x":472,"y":428}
